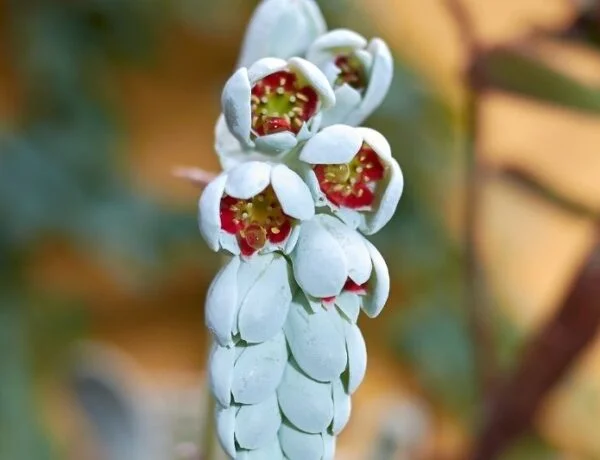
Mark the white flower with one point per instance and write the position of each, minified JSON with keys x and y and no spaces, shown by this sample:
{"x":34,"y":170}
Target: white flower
{"x":250,"y":299}
{"x":254,"y":208}
{"x":352,"y":171}
{"x":281,"y":29}
{"x":335,"y":264}
{"x":274,"y":104}
{"x":360,"y":72}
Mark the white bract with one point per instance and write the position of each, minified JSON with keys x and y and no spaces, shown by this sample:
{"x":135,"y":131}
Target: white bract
{"x":254,"y":208}
{"x":249,"y":299}
{"x":281,"y":29}
{"x":352,"y":171}
{"x":274,"y":104}
{"x":360,"y":71}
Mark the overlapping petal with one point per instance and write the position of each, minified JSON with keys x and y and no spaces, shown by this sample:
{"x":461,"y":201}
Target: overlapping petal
{"x":258,"y":370}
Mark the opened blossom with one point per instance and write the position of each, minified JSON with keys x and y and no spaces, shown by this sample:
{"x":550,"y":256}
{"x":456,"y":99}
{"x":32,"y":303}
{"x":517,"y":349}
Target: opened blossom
{"x":352,"y":171}
{"x":274,"y":104}
{"x":254,"y":208}
{"x":360,"y":71}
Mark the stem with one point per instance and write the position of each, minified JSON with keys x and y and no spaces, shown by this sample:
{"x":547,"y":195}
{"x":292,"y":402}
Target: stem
{"x":476,"y":300}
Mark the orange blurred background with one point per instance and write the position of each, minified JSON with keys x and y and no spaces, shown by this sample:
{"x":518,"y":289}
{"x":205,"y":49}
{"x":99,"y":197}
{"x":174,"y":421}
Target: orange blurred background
{"x":166,"y":107}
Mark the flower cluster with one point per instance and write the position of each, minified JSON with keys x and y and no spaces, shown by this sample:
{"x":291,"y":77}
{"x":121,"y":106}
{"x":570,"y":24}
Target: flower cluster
{"x":302,"y":186}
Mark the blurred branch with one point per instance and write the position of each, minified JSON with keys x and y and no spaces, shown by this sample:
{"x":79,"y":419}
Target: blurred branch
{"x":196,"y":176}
{"x":474,"y":280}
{"x":532,"y":184}
{"x":563,"y":338}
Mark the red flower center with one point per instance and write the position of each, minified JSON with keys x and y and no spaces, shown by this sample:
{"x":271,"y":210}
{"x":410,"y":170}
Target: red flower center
{"x":280,"y":102}
{"x":352,"y":185}
{"x":350,"y":286}
{"x":352,"y":72}
{"x":255,"y":221}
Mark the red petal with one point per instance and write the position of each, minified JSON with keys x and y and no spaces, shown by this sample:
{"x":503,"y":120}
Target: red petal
{"x":275,"y":125}
{"x":353,"y":201}
{"x":284,"y":232}
{"x":245,"y":248}
{"x":227,"y":221}
{"x":351,"y":286}
{"x":377,"y":170}
{"x":310,"y":106}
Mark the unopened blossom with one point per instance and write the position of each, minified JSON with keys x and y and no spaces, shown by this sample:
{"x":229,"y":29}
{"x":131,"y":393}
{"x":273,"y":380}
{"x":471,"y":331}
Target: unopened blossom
{"x":360,"y":71}
{"x":352,"y":171}
{"x":281,"y":29}
{"x":254,"y":207}
{"x":274,"y":104}
{"x":335,"y":264}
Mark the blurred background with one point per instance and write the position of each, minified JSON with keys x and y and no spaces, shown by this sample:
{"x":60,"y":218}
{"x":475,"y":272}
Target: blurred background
{"x":494,"y":116}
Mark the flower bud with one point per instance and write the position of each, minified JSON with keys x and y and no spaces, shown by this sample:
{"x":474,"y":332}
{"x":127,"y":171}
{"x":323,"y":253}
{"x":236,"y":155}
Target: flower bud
{"x":281,"y":29}
{"x":360,"y":72}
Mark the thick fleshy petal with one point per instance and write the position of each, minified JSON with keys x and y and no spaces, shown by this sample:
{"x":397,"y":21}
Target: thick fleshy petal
{"x":316,"y":344}
{"x":380,"y":79}
{"x":379,"y":284}
{"x":258,"y":370}
{"x":342,"y":406}
{"x":337,"y":144}
{"x":265,"y":307}
{"x":290,"y":244}
{"x":271,"y":452}
{"x":386,"y":203}
{"x":306,"y":403}
{"x":276,"y":143}
{"x":282,"y":29}
{"x":222,"y":303}
{"x":352,"y":243}
{"x":320,"y":266}
{"x":225,"y":418}
{"x":236,"y":104}
{"x":256,"y":425}
{"x":357,"y":357}
{"x":293,"y":194}
{"x":347,"y":101}
{"x":329,"y":443}
{"x":229,"y":243}
{"x":324,"y":46}
{"x":265,"y":66}
{"x":297,"y":445}
{"x":377,"y":142}
{"x":248,"y":179}
{"x":220,"y":373}
{"x":209,"y":219}
{"x":349,"y":304}
{"x":228,"y":148}
{"x":315,"y":78}
{"x":250,"y":272}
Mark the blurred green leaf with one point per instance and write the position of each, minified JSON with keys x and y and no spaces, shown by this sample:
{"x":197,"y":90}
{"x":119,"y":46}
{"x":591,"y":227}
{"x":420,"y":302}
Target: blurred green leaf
{"x":531,"y":447}
{"x":433,"y":337}
{"x":20,"y":433}
{"x":527,"y":76}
